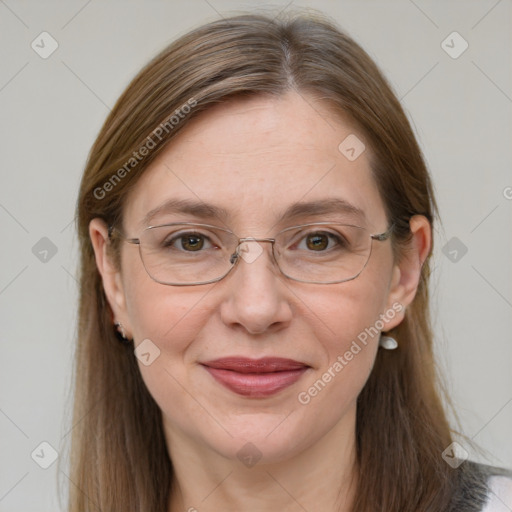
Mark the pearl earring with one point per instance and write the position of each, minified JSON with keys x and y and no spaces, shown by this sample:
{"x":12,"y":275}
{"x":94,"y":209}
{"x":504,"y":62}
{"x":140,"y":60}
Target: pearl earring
{"x":388,"y":342}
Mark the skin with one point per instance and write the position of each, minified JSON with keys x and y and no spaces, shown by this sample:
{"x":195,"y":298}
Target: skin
{"x":254,"y":157}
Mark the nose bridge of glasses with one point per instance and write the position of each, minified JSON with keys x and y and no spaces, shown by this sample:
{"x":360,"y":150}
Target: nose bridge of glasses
{"x":249,"y":252}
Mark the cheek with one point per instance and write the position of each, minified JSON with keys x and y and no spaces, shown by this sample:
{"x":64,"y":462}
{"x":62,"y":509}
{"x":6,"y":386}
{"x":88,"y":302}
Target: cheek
{"x":171,"y":317}
{"x":164,"y":314}
{"x":345,"y":312}
{"x":347,"y":320}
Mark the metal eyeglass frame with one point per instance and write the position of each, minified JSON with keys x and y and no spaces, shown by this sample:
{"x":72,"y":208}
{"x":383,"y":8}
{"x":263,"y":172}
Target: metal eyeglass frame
{"x":380,"y":237}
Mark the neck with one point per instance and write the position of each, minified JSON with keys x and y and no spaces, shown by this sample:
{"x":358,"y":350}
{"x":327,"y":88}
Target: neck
{"x":322,"y":476}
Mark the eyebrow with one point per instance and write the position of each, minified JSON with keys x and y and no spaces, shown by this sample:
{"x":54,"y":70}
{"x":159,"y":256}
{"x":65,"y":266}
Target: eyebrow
{"x":206,"y":211}
{"x":321,"y":207}
{"x":187,"y":206}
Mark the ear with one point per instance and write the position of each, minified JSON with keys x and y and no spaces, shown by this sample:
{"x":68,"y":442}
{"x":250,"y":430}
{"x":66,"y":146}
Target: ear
{"x":407,"y":271}
{"x":110,"y":274}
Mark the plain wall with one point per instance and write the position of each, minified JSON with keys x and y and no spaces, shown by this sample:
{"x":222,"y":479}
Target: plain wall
{"x":51,"y":110}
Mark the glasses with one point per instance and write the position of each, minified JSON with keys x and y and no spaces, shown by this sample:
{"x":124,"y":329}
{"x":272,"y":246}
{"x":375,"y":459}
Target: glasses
{"x":187,"y":254}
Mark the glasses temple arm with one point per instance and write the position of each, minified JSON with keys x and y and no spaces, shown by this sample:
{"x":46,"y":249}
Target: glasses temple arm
{"x":112,"y":230}
{"x":384,"y":236}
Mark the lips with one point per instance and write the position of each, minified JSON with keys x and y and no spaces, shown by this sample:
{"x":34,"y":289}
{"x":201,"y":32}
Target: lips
{"x":256,"y":378}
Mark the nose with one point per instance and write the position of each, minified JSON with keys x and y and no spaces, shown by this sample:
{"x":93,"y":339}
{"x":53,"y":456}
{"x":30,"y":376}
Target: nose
{"x":257,"y":299}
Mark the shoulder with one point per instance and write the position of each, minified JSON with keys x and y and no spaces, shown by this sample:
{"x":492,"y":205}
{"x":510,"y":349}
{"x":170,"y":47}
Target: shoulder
{"x":500,"y":493}
{"x":481,"y":488}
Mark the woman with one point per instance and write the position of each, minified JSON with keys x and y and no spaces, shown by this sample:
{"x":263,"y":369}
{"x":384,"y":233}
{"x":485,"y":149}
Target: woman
{"x":255,"y":223}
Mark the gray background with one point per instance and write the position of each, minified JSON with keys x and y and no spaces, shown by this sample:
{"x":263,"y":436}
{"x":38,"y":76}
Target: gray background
{"x":52,"y":109}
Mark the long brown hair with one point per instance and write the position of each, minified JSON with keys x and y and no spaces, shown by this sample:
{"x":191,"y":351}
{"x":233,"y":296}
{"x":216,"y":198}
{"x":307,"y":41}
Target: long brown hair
{"x":119,"y":459}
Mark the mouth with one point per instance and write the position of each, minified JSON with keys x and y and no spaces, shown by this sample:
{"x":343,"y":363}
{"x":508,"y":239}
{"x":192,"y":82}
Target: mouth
{"x":255,"y":378}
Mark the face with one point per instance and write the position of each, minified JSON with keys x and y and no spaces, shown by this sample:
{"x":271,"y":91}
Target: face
{"x":254,"y":158}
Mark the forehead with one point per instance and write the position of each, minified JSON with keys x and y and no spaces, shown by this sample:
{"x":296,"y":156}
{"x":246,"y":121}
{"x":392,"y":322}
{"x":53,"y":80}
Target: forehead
{"x":254,"y":159}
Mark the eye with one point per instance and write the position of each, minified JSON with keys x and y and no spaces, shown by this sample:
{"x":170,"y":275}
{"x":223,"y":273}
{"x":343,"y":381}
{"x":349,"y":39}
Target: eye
{"x":319,"y":241}
{"x":188,"y":242}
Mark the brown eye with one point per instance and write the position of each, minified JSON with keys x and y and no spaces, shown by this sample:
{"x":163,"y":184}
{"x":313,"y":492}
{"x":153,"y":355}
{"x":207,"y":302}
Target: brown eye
{"x":192,"y":242}
{"x":317,"y":242}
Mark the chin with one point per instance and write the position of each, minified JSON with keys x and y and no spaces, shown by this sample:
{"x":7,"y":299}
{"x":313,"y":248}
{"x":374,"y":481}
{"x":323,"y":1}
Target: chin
{"x":264,"y":438}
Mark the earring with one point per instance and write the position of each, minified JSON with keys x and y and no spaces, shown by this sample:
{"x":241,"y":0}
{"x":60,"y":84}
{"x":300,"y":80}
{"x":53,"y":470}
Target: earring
{"x":120,"y":333}
{"x":388,"y":342}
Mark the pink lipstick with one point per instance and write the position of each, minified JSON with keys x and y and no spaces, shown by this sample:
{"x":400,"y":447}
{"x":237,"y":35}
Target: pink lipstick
{"x":256,"y":378}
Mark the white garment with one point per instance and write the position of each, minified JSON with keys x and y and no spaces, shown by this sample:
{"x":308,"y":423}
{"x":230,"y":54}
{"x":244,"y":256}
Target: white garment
{"x":500,"y":494}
